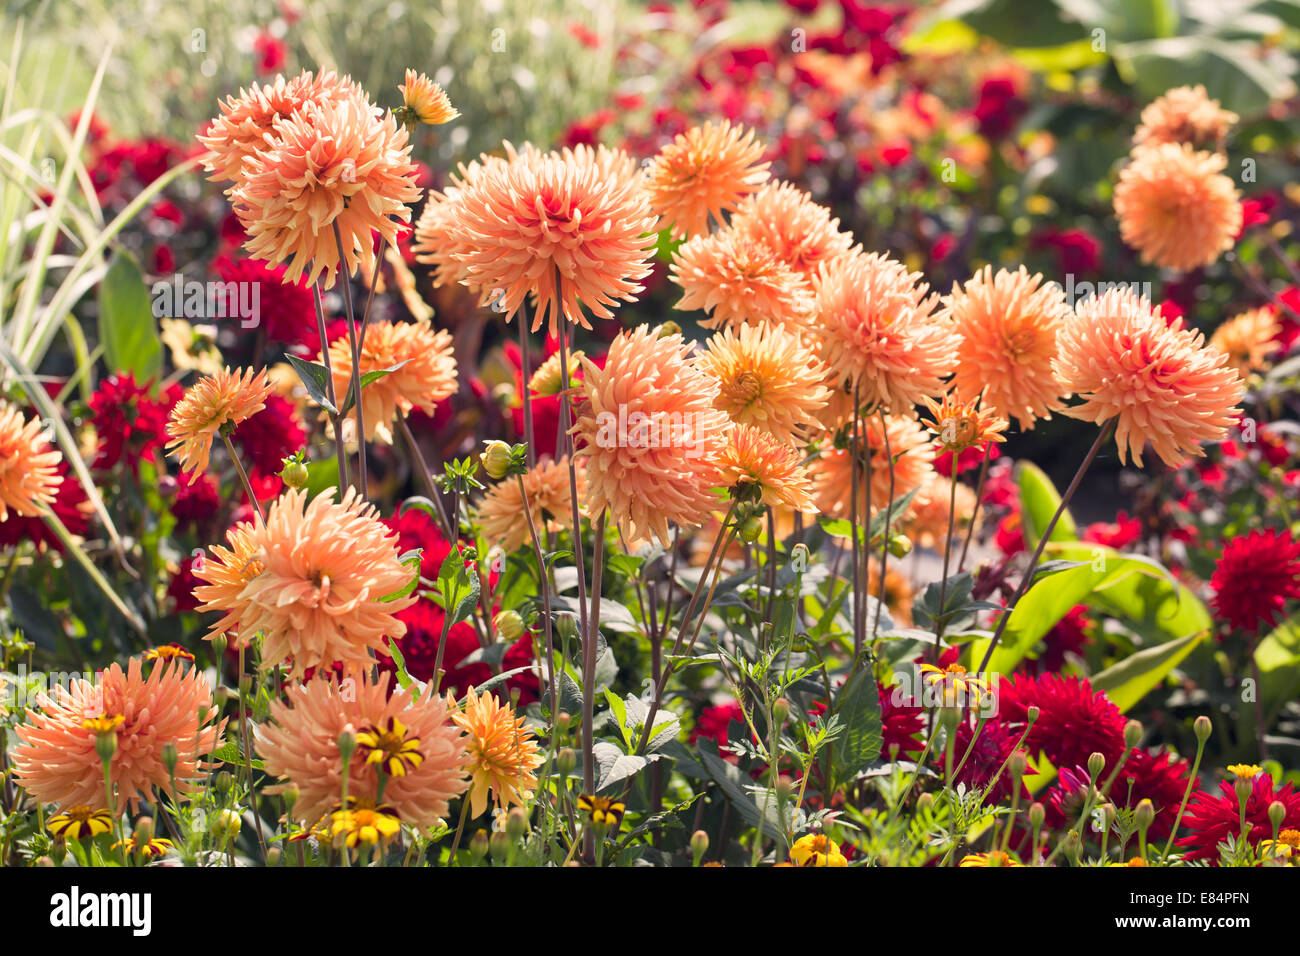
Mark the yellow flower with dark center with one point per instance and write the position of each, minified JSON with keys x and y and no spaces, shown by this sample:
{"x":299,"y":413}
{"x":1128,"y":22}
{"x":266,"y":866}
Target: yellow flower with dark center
{"x":363,"y":822}
{"x":817,"y":849}
{"x":78,"y":822}
{"x":956,"y":684}
{"x":602,"y":811}
{"x":168,"y":652}
{"x":1285,"y":847}
{"x":390,"y":748}
{"x":106,"y":724}
{"x":159,"y":846}
{"x":992,"y":858}
{"x":1135,"y":861}
{"x":961,"y":425}
{"x":1244,"y":771}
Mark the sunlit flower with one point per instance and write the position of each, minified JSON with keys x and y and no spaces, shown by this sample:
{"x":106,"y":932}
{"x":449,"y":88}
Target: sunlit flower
{"x":1212,"y":817}
{"x":1247,"y":339}
{"x":324,"y":594}
{"x":192,"y":347}
{"x":152,"y":850}
{"x":1184,"y":115}
{"x":502,"y":753}
{"x":902,"y":439}
{"x":548,"y":380}
{"x":767,"y":378}
{"x":565,"y":227}
{"x":390,"y":748}
{"x":704,"y":172}
{"x":1286,"y":846}
{"x":501,"y":511}
{"x":424,"y":373}
{"x":425,"y":101}
{"x":817,"y":849}
{"x":650,"y":433}
{"x":226,"y":574}
{"x":362,"y":822}
{"x":962,"y":424}
{"x":992,"y":858}
{"x":1245,"y":771}
{"x":752,"y":460}
{"x":1007,"y":325}
{"x":56,"y":759}
{"x":29,"y":467}
{"x":1255,"y":576}
{"x":80,"y":821}
{"x":1176,"y":207}
{"x":738,"y":281}
{"x":1164,"y":386}
{"x":602,"y":811}
{"x":800,"y":232}
{"x":879,"y":335}
{"x":300,"y":744}
{"x":168,"y":652}
{"x":245,"y":121}
{"x":215,"y":403}
{"x":957,"y":686}
{"x":334,"y":164}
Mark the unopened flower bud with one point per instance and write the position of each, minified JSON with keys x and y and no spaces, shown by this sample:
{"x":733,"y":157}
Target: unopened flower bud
{"x":669,"y":328}
{"x":106,"y":745}
{"x":478,"y":845}
{"x":1145,"y":814}
{"x":1037,"y":814}
{"x":1244,"y":786}
{"x":219,"y":646}
{"x":495,"y":458}
{"x":509,"y":625}
{"x":1031,"y":714}
{"x":294,"y":473}
{"x":273,"y":855}
{"x":1132,"y":733}
{"x":1016,"y":765}
{"x":925,"y":801}
{"x":750,"y":530}
{"x":47,"y":861}
{"x":499,"y":844}
{"x":223,"y":782}
{"x":566,"y":760}
{"x":1203,"y":727}
{"x":517,"y":823}
{"x":799,"y":559}
{"x":347,"y":743}
{"x":780,"y":711}
{"x":224,"y":825}
{"x":900,"y":545}
{"x":1277,"y":814}
{"x":562,"y":721}
{"x":1096,"y":764}
{"x":143,"y":832}
{"x":699,"y":845}
{"x":785,"y":788}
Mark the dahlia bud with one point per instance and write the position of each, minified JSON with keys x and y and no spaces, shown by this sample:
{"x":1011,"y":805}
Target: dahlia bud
{"x":1277,"y":814}
{"x":1203,"y":727}
{"x":1132,"y":734}
{"x":562,"y":721}
{"x":566,"y":760}
{"x":224,"y":825}
{"x":478,"y":845}
{"x":900,"y":545}
{"x":1037,"y":813}
{"x":699,"y":845}
{"x":509,"y":625}
{"x":781,"y":711}
{"x":495,"y":458}
{"x":1016,"y":765}
{"x":669,"y":328}
{"x":750,"y":530}
{"x":1096,"y":764}
{"x":294,"y":473}
{"x":517,"y":823}
{"x":1145,"y":814}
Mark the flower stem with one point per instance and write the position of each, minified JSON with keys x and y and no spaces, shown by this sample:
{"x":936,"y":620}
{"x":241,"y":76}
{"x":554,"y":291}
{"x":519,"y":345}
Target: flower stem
{"x":243,"y":477}
{"x":329,"y":385}
{"x":346,"y":282}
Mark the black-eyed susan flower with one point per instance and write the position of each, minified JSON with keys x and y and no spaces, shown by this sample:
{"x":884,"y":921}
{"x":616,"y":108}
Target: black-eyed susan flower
{"x":1286,"y":847}
{"x":81,"y":821}
{"x":602,"y":811}
{"x":817,"y":849}
{"x":390,"y":748}
{"x":956,"y":685}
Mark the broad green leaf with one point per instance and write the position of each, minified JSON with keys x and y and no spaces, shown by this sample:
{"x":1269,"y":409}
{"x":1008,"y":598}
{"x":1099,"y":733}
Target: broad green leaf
{"x":315,"y":378}
{"x":1278,"y":657}
{"x":858,"y":707}
{"x":1232,"y":72}
{"x":1132,"y":678}
{"x":411,"y":561}
{"x":127,"y":328}
{"x":1038,"y":502}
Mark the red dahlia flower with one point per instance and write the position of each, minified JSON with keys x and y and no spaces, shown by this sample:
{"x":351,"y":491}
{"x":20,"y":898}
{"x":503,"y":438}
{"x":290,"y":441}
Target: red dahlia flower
{"x":1073,"y":720}
{"x":1254,"y":578}
{"x":1212,"y":818}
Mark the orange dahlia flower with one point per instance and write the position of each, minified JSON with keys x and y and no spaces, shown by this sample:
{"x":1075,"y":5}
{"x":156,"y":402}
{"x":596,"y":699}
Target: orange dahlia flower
{"x":301,"y":744}
{"x":767,"y":378}
{"x":227,"y":573}
{"x":650,"y":434}
{"x":56,"y":760}
{"x":566,"y":227}
{"x":912,"y":453}
{"x":501,"y":511}
{"x":1175,"y":206}
{"x":1248,"y":339}
{"x":799,"y":232}
{"x":704,"y":172}
{"x":1007,"y":324}
{"x":331,"y":164}
{"x":425,"y":373}
{"x":501,"y":752}
{"x":29,"y":475}
{"x":878,"y":332}
{"x":319,"y":598}
{"x":1184,"y":115}
{"x":212,"y":404}
{"x":245,"y":121}
{"x":753,"y":459}
{"x":1164,"y":386}
{"x":425,"y":101}
{"x":739,"y":280}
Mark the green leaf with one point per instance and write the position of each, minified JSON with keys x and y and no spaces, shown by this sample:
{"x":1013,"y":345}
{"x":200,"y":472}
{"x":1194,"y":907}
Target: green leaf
{"x":411,"y":561}
{"x":613,"y":766}
{"x":366,"y":378}
{"x":315,"y":378}
{"x":127,"y":328}
{"x":1278,"y":657}
{"x":858,"y":707}
{"x":1232,"y":72}
{"x":1038,"y":502}
{"x":404,"y":679}
{"x":1132,"y":678}
{"x":230,"y":753}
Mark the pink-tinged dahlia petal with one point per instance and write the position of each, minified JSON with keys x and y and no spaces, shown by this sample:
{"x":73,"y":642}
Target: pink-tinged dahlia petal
{"x":29,"y":467}
{"x":704,"y":172}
